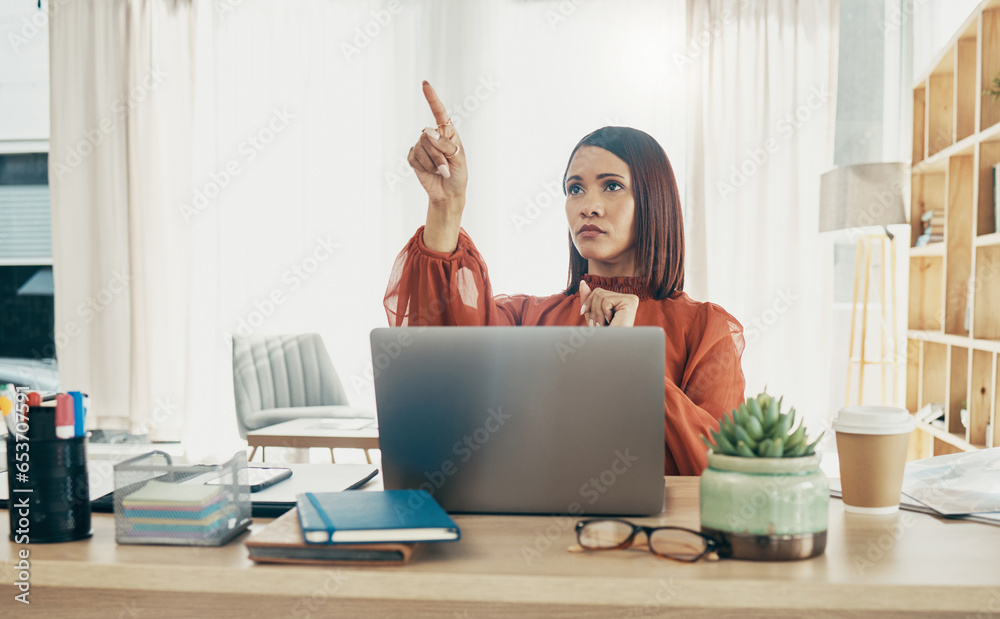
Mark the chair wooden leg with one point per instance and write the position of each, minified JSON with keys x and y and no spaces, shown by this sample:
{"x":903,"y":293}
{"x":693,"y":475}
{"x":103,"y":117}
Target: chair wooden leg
{"x":252,"y":452}
{"x":332,"y":459}
{"x":368,"y":456}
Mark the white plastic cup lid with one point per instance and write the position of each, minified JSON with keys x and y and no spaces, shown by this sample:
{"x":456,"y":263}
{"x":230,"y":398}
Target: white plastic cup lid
{"x":873,"y":420}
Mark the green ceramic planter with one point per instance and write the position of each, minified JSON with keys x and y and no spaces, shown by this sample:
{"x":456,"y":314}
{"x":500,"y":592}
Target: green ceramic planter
{"x":766,"y":509}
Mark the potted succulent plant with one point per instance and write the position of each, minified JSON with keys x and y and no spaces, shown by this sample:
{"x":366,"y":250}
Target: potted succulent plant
{"x":763,"y":496}
{"x":994,"y":90}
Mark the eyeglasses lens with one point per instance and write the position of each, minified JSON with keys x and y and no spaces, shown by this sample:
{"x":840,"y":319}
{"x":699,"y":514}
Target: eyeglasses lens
{"x":682,"y":545}
{"x":604,"y":534}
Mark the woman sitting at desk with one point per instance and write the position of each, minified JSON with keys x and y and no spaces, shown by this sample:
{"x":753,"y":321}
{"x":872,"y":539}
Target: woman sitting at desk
{"x":626,"y":268}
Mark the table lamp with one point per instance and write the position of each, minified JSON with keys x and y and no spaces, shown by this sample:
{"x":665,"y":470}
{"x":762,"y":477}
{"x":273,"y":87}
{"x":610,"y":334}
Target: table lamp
{"x":861,"y":198}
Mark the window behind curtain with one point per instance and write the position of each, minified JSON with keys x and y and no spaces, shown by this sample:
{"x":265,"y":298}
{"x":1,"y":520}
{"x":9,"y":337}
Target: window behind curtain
{"x":524,"y":82}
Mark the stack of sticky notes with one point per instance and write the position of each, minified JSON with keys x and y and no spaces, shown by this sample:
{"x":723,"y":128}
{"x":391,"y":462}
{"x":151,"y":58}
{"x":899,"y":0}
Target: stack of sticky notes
{"x":176,"y":511}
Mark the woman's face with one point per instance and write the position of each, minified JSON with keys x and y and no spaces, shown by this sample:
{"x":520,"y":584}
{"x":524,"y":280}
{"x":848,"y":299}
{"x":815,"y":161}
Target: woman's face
{"x":600,"y":208}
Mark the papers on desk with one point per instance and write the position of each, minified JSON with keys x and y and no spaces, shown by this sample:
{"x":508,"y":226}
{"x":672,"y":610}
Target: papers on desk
{"x":910,"y":504}
{"x":956,"y":484}
{"x":343,"y":424}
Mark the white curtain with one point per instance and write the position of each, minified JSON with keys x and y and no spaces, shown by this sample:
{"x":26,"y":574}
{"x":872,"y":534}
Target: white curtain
{"x":761,"y":94}
{"x":253,"y":178}
{"x":120,"y":150}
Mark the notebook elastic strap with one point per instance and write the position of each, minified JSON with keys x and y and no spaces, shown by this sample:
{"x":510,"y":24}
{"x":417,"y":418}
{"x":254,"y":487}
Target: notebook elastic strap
{"x":320,"y":511}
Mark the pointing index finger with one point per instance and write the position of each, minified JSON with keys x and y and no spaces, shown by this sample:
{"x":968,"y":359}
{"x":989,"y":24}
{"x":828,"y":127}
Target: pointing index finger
{"x":437,"y":108}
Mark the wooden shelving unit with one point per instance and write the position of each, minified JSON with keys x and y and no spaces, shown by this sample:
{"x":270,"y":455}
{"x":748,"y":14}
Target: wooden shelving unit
{"x":953,"y":350}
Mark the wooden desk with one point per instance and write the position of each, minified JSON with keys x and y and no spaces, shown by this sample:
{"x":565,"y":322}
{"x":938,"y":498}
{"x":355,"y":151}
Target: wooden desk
{"x":508,"y":566}
{"x":314,"y":432}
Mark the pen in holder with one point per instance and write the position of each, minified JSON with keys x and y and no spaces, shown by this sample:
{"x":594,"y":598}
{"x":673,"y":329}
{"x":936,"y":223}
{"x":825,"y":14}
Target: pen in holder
{"x":49,"y":498}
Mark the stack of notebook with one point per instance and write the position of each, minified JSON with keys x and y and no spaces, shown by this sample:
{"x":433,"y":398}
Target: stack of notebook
{"x":357,"y":528}
{"x":176,"y":511}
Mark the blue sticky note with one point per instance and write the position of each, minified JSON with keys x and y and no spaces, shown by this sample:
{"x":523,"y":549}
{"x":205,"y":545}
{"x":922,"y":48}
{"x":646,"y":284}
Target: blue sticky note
{"x":79,"y":413}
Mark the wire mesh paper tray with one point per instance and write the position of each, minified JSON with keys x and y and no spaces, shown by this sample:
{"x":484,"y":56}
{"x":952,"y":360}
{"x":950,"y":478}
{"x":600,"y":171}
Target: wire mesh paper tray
{"x":156,"y":502}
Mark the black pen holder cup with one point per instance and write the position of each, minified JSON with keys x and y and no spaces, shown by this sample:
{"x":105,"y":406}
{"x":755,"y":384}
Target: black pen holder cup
{"x":49,"y":496}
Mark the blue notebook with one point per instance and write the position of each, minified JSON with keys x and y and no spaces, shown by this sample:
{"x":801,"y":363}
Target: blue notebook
{"x":373,"y":517}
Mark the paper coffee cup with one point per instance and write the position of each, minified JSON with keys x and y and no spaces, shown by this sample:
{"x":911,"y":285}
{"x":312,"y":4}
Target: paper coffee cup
{"x":872,"y":443}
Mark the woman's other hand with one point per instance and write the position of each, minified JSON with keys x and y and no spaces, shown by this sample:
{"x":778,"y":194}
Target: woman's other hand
{"x":601,"y":307}
{"x":439,"y":159}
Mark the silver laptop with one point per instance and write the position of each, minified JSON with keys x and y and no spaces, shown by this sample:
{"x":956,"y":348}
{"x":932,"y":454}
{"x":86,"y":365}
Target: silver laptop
{"x":523,"y":420}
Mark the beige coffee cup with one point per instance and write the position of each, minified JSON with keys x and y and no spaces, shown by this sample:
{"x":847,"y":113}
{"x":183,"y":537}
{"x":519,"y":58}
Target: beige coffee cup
{"x":872,"y":443}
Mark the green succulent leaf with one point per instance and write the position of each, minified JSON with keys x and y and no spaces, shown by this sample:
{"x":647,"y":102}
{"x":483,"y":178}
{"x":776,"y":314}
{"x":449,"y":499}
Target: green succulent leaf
{"x":724,"y":443}
{"x":798,"y":450}
{"x":771,"y":414}
{"x":754,"y":429}
{"x":764,"y":448}
{"x":743,"y":450}
{"x":758,"y":428}
{"x":729,"y":429}
{"x":811,"y":447}
{"x":777,"y":449}
{"x":763,"y":398}
{"x":743,"y":436}
{"x":784,"y":424}
{"x":793,"y":439}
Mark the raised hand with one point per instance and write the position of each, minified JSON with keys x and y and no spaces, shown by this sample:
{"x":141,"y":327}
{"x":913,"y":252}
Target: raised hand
{"x":602,"y":307}
{"x":439,"y":159}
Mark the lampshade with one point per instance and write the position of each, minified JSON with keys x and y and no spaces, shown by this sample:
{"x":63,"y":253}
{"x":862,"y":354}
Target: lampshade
{"x":858,"y":196}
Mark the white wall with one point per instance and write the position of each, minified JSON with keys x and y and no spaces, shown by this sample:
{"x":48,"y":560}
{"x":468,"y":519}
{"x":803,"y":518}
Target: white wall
{"x":24,"y":76}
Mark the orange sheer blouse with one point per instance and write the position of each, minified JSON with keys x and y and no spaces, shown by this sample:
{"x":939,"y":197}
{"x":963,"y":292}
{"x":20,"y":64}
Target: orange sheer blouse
{"x":704,"y":343}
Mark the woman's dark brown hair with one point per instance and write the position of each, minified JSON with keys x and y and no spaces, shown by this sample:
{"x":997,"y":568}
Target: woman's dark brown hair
{"x":658,"y":225}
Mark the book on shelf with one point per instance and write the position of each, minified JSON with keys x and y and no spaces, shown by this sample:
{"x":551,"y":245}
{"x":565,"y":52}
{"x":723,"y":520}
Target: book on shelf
{"x":927,"y":238}
{"x":930,"y":412}
{"x":281,"y":542}
{"x":936,"y":235}
{"x":933,"y":226}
